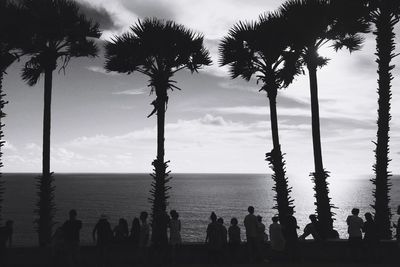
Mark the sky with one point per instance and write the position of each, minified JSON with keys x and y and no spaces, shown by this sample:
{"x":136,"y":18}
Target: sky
{"x":214,"y":124}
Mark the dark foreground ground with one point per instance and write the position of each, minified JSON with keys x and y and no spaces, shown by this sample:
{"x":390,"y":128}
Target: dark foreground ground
{"x":310,"y":254}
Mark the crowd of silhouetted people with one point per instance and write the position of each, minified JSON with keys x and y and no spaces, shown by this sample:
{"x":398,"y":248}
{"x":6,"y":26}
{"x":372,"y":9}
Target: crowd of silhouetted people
{"x":224,"y":245}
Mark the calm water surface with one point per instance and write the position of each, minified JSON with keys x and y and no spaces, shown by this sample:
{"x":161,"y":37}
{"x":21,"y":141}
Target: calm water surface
{"x":194,"y":196}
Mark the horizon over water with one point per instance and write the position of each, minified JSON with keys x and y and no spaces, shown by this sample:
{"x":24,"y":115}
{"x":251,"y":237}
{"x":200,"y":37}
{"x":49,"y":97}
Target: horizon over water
{"x":193,"y":195}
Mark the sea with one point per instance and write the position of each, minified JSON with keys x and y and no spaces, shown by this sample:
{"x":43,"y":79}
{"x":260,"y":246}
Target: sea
{"x":194,"y":196}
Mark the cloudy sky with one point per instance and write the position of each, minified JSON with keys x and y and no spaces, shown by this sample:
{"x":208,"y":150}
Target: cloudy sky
{"x":214,"y":124}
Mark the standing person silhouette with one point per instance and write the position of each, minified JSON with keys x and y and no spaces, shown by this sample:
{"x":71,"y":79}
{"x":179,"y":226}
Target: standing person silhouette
{"x":214,"y":240}
{"x":397,"y":226}
{"x":6,"y":233}
{"x":354,"y":230}
{"x":121,"y":231}
{"x":290,"y":234}
{"x":371,"y":239}
{"x":135,"y":232}
{"x":144,"y":237}
{"x":262,"y":237}
{"x":251,"y":223}
{"x":278,"y":241}
{"x":102,"y":235}
{"x":71,"y":230}
{"x":174,"y":234}
{"x":234,"y":240}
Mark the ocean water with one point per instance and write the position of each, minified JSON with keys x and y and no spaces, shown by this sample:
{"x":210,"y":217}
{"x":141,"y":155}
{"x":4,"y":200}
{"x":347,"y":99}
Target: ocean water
{"x":194,"y":196}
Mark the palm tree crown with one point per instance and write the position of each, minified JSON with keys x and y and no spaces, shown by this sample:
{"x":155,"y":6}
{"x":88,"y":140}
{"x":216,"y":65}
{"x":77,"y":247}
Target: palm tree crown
{"x":58,"y":31}
{"x":157,"y":49}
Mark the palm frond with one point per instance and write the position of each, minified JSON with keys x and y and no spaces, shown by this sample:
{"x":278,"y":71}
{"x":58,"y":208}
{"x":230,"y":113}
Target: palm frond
{"x":32,"y":71}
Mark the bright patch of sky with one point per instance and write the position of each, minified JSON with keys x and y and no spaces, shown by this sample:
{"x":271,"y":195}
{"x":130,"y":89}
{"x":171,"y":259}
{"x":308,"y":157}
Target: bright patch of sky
{"x":214,"y":124}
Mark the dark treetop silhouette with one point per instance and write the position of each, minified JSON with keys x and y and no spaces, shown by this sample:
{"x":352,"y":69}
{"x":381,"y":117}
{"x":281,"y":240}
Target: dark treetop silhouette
{"x":384,"y":14}
{"x":157,"y":49}
{"x":260,"y":49}
{"x":10,"y":40}
{"x":313,"y":24}
{"x":58,"y":32}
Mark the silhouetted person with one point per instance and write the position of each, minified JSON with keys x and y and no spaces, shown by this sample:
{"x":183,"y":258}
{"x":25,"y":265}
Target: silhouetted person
{"x":135,"y":232}
{"x":159,"y":238}
{"x":312,"y":229}
{"x":174,"y":233}
{"x":371,"y":239}
{"x":251,"y":223}
{"x":278,"y":241}
{"x":224,"y":233}
{"x":58,"y":247}
{"x":102,"y":235}
{"x":354,"y":230}
{"x":121,"y":231}
{"x":6,"y":234}
{"x":144,"y":236}
{"x":397,"y":226}
{"x":234,"y":240}
{"x":71,"y":231}
{"x":262,"y":237}
{"x":355,"y":225}
{"x":214,"y":239}
{"x":290,"y":234}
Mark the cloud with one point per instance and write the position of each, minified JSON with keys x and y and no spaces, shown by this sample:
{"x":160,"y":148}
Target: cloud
{"x":98,"y":14}
{"x":101,"y":70}
{"x":151,"y":8}
{"x":138,"y":91}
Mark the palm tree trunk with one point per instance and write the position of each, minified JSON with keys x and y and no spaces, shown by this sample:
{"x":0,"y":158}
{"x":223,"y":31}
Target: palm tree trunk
{"x":159,"y":187}
{"x":316,"y":136}
{"x":2,"y":115}
{"x":385,"y":46}
{"x":45,"y":204}
{"x":274,"y":119}
{"x":323,"y":206}
{"x":277,"y":164}
{"x":48,"y":79}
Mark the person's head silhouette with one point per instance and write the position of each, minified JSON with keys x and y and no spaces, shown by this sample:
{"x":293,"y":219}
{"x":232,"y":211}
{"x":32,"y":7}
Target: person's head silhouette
{"x":313,"y":218}
{"x":355,"y":211}
{"x":368,"y":217}
{"x":143,"y":216}
{"x":250,"y":209}
{"x":213,"y":217}
{"x":72,"y":214}
{"x":234,"y":221}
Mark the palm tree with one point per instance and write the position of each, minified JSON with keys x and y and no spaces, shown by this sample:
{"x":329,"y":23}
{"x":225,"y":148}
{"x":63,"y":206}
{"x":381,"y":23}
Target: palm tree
{"x":58,"y":33}
{"x":314,"y":23}
{"x":158,"y":49}
{"x":384,"y":14}
{"x":10,"y":39}
{"x":260,"y":49}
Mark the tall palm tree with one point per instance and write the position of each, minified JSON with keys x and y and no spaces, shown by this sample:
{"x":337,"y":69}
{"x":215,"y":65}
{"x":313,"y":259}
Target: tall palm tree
{"x":384,"y":14}
{"x":158,"y":49}
{"x":58,"y":34}
{"x":10,"y":40}
{"x":261,"y":50}
{"x":315,"y":23}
